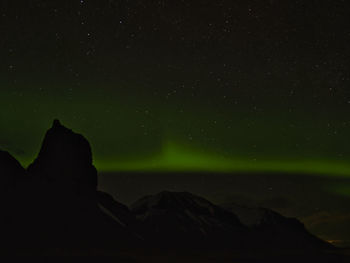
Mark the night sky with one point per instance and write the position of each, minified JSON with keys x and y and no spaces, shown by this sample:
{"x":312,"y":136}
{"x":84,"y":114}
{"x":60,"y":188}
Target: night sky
{"x":182,"y":86}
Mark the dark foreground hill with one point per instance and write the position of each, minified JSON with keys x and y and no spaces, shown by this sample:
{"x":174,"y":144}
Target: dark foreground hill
{"x":54,"y":207}
{"x":54,"y":203}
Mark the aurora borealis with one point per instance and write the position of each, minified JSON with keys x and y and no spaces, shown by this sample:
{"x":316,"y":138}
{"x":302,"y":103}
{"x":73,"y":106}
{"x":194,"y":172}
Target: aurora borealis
{"x":129,"y":139}
{"x":247,"y":86}
{"x":259,"y":83}
{"x":157,"y":149}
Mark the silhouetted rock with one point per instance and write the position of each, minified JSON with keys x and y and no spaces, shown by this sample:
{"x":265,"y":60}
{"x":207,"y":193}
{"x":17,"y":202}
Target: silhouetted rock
{"x":181,"y":219}
{"x":11,"y":172}
{"x":57,"y":207}
{"x":274,"y":230}
{"x":65,"y":159}
{"x":12,"y":176}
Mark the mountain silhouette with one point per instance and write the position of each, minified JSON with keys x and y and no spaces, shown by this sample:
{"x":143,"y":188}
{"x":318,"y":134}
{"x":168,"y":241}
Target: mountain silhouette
{"x":55,"y":204}
{"x":184,"y":219}
{"x":274,"y":230}
{"x":65,"y":159}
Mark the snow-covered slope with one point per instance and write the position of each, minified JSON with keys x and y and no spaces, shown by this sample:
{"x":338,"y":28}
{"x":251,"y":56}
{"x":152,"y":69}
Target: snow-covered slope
{"x":185,"y":219}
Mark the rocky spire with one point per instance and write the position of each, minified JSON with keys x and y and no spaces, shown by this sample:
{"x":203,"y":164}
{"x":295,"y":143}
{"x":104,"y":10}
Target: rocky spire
{"x":65,"y":158}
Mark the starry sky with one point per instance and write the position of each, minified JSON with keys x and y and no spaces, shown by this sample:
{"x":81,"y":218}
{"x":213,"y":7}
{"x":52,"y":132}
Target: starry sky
{"x":186,"y":86}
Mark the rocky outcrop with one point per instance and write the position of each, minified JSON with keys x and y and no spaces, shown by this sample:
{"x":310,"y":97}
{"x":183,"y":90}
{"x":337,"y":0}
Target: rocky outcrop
{"x":57,"y":205}
{"x":65,"y":159}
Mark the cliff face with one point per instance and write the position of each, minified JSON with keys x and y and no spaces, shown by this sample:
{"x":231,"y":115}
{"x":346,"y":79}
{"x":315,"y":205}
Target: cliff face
{"x":65,"y":159}
{"x":54,"y":203}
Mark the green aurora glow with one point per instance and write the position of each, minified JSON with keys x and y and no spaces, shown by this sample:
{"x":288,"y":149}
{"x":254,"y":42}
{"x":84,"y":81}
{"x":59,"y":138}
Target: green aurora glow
{"x":120,"y":143}
{"x":262,"y":97}
{"x":175,"y":157}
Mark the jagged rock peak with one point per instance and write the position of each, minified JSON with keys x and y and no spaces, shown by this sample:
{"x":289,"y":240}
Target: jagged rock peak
{"x":57,"y":126}
{"x":65,"y":156}
{"x":56,"y":123}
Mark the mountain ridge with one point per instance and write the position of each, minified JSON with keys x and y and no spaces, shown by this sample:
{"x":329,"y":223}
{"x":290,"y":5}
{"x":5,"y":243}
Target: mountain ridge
{"x":63,"y":208}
